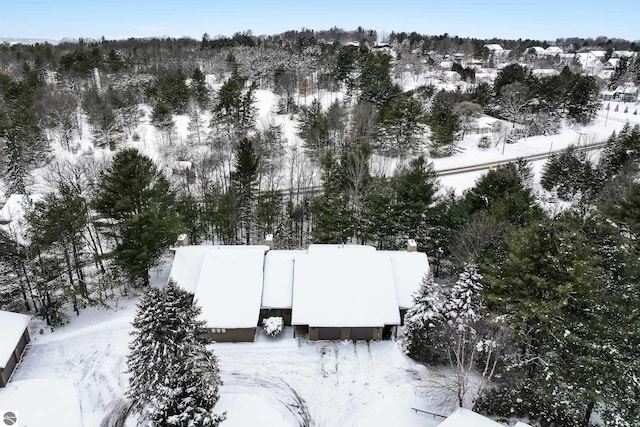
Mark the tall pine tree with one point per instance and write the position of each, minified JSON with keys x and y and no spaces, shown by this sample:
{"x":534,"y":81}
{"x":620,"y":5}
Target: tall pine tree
{"x":173,"y":378}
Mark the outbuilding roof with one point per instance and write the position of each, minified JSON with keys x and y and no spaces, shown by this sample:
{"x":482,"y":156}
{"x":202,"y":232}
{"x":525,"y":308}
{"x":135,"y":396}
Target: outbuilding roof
{"x":465,"y":418}
{"x":12,"y":326}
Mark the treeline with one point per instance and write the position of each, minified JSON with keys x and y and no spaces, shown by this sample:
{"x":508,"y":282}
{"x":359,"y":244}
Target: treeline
{"x":540,"y":309}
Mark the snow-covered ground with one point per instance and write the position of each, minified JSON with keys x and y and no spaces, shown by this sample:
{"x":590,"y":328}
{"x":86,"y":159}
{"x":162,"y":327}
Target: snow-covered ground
{"x":280,"y":382}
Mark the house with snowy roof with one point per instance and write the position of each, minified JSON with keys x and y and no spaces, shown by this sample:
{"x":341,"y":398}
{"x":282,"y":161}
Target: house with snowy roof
{"x":325,"y":292}
{"x":627,"y":92}
{"x":14,"y":337}
{"x":553,"y":51}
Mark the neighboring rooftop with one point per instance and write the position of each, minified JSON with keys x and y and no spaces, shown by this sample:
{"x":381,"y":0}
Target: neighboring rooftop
{"x":466,"y":418}
{"x":12,"y":326}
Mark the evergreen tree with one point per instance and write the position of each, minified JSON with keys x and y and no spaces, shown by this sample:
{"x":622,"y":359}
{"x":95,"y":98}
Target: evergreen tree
{"x":332,"y":218}
{"x":422,"y":334}
{"x":199,"y":89}
{"x":444,"y":123}
{"x":401,"y":123}
{"x":173,"y":378}
{"x":415,"y":186}
{"x":570,"y":173}
{"x":375,"y":81}
{"x":314,"y":128}
{"x":233,"y":108}
{"x":503,"y":194}
{"x":245,"y":179}
{"x":582,"y":100}
{"x":136,"y":196}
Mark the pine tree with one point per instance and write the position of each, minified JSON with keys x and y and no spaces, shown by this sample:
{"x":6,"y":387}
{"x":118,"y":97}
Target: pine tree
{"x":245,"y":179}
{"x":416,"y":186}
{"x":199,"y":89}
{"x":173,"y":378}
{"x":422,"y":331}
{"x":137,"y":197}
{"x":332,"y":218}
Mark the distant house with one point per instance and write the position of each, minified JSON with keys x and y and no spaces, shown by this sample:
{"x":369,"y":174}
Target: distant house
{"x":627,"y":92}
{"x":537,"y":50}
{"x":14,"y":337}
{"x":611,"y":64}
{"x":544,"y":72}
{"x":494,"y":48}
{"x":485,"y":125}
{"x":446,"y":65}
{"x":325,"y":292}
{"x":553,"y":51}
{"x":590,"y":63}
{"x":451,"y":76}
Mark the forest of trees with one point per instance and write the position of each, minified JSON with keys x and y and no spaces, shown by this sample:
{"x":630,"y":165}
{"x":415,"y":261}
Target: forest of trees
{"x":543,"y":304}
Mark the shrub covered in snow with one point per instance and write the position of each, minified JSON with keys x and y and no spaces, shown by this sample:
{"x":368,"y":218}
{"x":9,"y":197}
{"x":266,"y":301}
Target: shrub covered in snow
{"x":272,"y":326}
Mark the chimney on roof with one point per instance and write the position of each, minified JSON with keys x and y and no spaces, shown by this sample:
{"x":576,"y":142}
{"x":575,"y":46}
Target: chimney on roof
{"x":183,"y":240}
{"x":412,"y":246}
{"x":268,"y":240}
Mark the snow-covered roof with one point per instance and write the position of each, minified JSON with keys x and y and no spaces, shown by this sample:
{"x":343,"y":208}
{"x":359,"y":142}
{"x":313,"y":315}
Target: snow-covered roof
{"x":613,"y":62}
{"x":226,"y":281}
{"x":408,"y":270}
{"x":348,"y":289}
{"x":278,"y":278}
{"x":229,"y":287}
{"x":12,"y":326}
{"x":623,"y":53}
{"x":493,"y":47}
{"x":537,"y":49}
{"x":185,"y":268}
{"x":485,"y":121}
{"x":544,"y":72}
{"x":43,"y":402}
{"x":187,"y":262}
{"x":466,"y":418}
{"x":315,"y":249}
{"x":554,"y":50}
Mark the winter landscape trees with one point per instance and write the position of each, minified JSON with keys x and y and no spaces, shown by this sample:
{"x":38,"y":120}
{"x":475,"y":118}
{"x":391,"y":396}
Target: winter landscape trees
{"x":320,"y":138}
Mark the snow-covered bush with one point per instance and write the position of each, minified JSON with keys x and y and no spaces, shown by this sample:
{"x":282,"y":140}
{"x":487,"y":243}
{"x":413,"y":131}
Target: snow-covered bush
{"x":484,"y":142}
{"x":272,"y":326}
